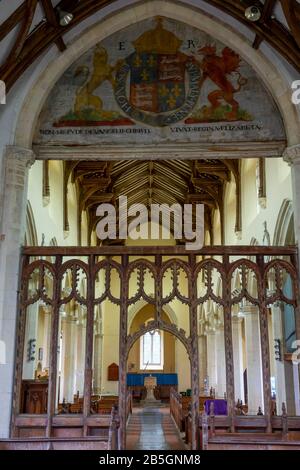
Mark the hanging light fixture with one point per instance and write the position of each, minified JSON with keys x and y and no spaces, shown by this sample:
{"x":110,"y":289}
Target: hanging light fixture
{"x":65,"y":17}
{"x":253,"y":13}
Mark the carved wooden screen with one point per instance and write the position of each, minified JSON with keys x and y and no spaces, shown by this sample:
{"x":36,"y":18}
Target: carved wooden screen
{"x":220,"y":277}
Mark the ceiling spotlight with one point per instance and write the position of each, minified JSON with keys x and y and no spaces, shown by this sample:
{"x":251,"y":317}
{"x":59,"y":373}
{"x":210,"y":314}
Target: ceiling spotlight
{"x":65,"y":17}
{"x":253,"y":13}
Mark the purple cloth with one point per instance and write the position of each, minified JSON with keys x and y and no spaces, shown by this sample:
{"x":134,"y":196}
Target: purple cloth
{"x":220,"y":407}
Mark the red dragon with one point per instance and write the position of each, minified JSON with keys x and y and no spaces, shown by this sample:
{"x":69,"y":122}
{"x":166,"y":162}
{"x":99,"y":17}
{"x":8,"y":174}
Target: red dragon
{"x":217,"y":68}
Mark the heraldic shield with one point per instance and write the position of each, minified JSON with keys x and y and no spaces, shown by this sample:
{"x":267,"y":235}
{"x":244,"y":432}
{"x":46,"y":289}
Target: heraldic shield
{"x":164,"y":81}
{"x":157,"y":81}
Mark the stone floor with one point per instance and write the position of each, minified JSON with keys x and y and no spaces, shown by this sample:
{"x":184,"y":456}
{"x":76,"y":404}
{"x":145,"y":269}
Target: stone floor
{"x":153,"y":429}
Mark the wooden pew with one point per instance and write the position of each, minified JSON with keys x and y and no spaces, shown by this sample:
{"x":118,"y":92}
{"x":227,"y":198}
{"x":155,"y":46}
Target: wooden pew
{"x":99,"y":405}
{"x":163,"y":392}
{"x":87,"y":443}
{"x":249,"y":441}
{"x":107,"y":441}
{"x":179,"y":408}
{"x":176,"y":409}
{"x":139,"y":392}
{"x":105,"y":404}
{"x":250,"y":432}
{"x":128,"y":405}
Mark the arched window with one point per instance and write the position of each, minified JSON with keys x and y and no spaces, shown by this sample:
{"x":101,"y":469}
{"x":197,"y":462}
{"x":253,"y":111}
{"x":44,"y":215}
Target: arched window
{"x":151,"y":351}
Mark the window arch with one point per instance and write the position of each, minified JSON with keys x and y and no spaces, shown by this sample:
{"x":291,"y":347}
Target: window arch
{"x":152,"y":350}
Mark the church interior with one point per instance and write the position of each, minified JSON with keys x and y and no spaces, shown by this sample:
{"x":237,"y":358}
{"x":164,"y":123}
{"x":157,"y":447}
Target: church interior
{"x":136,"y":342}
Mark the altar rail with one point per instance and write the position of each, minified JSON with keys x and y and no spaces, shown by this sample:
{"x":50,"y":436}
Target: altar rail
{"x":224,"y":261}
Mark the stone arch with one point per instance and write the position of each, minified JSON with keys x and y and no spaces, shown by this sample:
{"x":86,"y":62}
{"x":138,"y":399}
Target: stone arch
{"x":230,"y":204}
{"x":31,"y":237}
{"x":284,"y":229}
{"x":274,"y":81}
{"x":135,"y":308}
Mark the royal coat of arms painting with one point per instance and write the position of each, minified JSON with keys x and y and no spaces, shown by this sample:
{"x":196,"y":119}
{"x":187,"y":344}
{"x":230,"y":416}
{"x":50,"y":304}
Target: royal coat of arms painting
{"x":162,"y":81}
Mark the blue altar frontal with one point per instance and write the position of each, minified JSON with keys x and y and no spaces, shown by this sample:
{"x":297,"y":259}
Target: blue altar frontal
{"x":162,"y":379}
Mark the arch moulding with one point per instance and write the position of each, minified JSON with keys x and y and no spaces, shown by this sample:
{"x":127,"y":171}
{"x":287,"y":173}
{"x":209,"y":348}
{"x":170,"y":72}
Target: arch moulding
{"x":155,"y":325}
{"x":268,"y":73}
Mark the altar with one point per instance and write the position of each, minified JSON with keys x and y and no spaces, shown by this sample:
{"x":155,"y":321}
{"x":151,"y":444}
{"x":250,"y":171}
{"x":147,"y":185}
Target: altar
{"x":135,"y":379}
{"x":164,"y":384}
{"x":150,"y":384}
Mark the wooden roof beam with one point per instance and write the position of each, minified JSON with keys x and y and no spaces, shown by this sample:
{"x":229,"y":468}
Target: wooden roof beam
{"x":52,"y":19}
{"x":201,"y":183}
{"x":12,"y":21}
{"x":266,"y":13}
{"x":30,"y":7}
{"x":45,"y":35}
{"x":271,"y":31}
{"x":289,"y":9}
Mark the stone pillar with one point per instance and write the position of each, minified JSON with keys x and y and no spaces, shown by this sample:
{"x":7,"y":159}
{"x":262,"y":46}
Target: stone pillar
{"x":292,"y":156}
{"x":212,"y":359}
{"x":47,"y":336}
{"x":80,"y":334}
{"x":221,"y":363}
{"x":17,"y":162}
{"x":296,"y":387}
{"x":279,"y":365}
{"x":253,"y":359}
{"x":237,"y":341}
{"x":69,"y":360}
{"x":202,"y":362}
{"x":97,"y":376}
{"x":31,"y":332}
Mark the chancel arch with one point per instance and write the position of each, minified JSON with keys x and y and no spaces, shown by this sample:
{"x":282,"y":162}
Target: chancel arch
{"x":137,"y":307}
{"x":268,"y":73}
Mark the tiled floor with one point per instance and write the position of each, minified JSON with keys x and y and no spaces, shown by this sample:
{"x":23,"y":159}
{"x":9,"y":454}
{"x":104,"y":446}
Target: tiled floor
{"x":153,"y":429}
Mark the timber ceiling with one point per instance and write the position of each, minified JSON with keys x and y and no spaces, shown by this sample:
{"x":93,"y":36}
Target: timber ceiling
{"x":32,"y":40}
{"x":150,"y":182}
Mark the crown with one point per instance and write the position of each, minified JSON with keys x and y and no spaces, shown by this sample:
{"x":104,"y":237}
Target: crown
{"x":158,"y":40}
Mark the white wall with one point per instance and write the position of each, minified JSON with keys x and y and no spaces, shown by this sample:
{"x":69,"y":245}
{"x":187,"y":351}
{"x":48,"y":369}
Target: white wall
{"x":49,"y":219}
{"x":278,"y":187}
